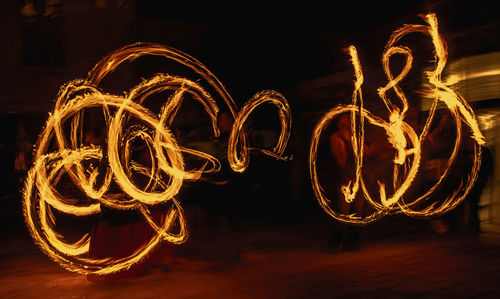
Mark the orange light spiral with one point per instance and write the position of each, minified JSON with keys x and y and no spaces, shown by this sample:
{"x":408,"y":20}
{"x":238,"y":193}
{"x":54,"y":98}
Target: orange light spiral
{"x":400,"y":135}
{"x":93,"y":168}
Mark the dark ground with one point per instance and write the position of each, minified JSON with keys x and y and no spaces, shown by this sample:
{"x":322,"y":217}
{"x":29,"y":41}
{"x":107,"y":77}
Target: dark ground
{"x":396,"y":258}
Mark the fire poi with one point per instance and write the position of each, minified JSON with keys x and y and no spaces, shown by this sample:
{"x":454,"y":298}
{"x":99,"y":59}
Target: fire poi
{"x":92,"y":168}
{"x":400,"y":135}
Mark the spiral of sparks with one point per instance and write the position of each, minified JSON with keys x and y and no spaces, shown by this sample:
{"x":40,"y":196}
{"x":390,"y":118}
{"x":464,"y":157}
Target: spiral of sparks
{"x":56,"y":155}
{"x":406,"y":142}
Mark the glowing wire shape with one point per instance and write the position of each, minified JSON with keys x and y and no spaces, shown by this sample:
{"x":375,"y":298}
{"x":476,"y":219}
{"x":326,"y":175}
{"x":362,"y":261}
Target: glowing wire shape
{"x":55,"y":156}
{"x":400,"y":135}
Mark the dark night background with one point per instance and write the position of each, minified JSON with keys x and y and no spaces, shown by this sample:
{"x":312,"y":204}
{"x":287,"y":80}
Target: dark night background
{"x":295,"y":49}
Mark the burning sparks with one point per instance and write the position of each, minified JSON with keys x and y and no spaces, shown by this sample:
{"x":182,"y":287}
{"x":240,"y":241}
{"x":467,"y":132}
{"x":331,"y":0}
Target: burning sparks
{"x":93,"y":169}
{"x":400,"y":135}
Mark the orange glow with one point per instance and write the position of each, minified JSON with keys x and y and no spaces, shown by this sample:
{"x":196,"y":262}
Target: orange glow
{"x":400,"y":135}
{"x":56,"y":156}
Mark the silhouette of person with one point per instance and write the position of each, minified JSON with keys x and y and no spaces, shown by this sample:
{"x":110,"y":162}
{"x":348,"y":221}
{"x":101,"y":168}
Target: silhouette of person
{"x":344,"y":237}
{"x":473,"y":198}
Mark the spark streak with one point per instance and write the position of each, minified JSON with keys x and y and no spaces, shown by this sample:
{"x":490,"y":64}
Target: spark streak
{"x":400,"y":135}
{"x":56,"y":156}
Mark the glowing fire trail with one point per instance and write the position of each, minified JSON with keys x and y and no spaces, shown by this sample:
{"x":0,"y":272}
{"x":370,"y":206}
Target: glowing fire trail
{"x":400,"y":135}
{"x":55,"y":156}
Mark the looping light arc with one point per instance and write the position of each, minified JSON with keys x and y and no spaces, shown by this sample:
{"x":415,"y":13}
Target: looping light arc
{"x":401,"y":136}
{"x":92,"y":168}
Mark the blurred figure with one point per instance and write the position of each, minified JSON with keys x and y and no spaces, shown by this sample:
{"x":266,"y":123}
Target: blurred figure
{"x":438,"y":147}
{"x":344,"y":237}
{"x":474,"y":196}
{"x":118,"y":233}
{"x":23,"y":151}
{"x":215,"y":198}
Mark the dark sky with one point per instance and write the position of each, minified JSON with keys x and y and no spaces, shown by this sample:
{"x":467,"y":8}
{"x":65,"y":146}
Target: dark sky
{"x":250,"y":46}
{"x":296,"y":40}
{"x":276,"y":45}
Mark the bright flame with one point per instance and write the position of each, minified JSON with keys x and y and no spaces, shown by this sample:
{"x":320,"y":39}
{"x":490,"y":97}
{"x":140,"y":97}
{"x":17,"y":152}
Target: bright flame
{"x":56,"y":156}
{"x":400,"y":135}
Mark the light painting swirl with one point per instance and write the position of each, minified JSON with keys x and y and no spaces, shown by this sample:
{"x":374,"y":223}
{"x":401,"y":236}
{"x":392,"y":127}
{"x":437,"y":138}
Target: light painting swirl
{"x":95,"y":169}
{"x":400,"y":135}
